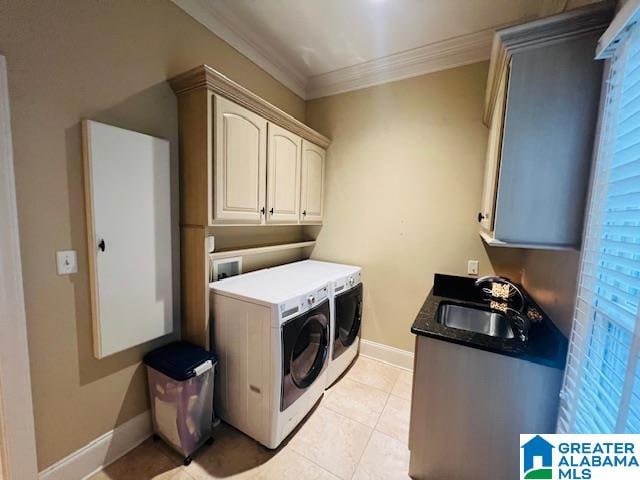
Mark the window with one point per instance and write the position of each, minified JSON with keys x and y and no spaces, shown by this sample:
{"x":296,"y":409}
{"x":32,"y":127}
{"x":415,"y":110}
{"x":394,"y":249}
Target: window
{"x":601,"y":391}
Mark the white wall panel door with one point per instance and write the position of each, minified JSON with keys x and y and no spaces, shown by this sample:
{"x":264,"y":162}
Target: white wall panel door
{"x":283,"y":175}
{"x":240,"y":164}
{"x":128,"y":204}
{"x":312,"y":189}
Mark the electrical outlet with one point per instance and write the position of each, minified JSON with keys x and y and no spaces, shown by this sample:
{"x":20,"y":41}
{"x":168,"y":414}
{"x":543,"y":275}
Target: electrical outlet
{"x":66,"y":262}
{"x":472,"y":267}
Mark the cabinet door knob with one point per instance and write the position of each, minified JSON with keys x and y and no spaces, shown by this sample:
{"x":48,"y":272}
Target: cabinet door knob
{"x":102,"y":245}
{"x":262,"y":210}
{"x":304,"y":212}
{"x":271,"y":211}
{"x":481,"y":216}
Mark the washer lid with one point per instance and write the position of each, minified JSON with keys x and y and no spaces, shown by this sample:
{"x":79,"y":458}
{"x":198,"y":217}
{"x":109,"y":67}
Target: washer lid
{"x":314,"y":269}
{"x":270,"y":285}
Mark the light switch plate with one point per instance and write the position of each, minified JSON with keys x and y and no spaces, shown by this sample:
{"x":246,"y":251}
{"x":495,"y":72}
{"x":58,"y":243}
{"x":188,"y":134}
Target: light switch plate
{"x":472,"y":267}
{"x":66,"y":262}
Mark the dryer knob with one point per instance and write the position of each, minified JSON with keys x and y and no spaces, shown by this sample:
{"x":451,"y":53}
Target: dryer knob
{"x":311,"y":299}
{"x":351,"y":281}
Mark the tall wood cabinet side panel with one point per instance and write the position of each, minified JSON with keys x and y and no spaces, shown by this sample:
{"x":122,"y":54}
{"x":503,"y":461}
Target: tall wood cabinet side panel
{"x":195,"y":286}
{"x":195,"y":154}
{"x":548,"y":138}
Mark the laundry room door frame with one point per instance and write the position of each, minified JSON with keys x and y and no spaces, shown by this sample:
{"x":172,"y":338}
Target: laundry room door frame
{"x":17,"y":445}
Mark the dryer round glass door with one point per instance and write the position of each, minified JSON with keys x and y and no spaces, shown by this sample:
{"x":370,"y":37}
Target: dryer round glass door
{"x":348,"y":315}
{"x":305,"y":352}
{"x":309,"y":352}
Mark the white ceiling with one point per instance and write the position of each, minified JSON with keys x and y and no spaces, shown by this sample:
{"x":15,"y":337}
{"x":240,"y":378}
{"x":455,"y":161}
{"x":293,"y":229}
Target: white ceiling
{"x":318,"y":47}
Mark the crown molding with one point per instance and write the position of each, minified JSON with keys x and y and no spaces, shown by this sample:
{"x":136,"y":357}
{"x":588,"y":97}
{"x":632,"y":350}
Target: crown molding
{"x":546,"y":31}
{"x":220,"y":23}
{"x":206,"y":77}
{"x":454,"y":52}
{"x":442,"y":55}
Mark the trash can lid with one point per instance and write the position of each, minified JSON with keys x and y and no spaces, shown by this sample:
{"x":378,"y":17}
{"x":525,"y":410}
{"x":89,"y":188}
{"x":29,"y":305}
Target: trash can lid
{"x":178,"y":360}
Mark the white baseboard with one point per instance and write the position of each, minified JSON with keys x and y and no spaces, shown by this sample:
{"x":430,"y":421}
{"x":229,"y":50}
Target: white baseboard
{"x":102,"y":451}
{"x":384,"y":353}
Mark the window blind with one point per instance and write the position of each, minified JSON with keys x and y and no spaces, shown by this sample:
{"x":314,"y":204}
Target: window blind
{"x":601,"y":390}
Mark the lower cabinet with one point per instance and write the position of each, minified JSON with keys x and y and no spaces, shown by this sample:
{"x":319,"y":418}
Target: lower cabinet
{"x":458,"y":430}
{"x":312,"y":191}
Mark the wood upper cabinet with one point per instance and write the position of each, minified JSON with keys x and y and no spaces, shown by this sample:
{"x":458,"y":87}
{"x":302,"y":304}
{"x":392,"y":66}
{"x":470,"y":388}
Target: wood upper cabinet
{"x":241,"y":157}
{"x":541,"y":108}
{"x":240,"y":163}
{"x":312,"y":188}
{"x":284,"y":162}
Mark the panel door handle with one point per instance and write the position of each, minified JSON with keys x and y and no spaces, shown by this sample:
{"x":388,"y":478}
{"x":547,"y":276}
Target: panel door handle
{"x":304,"y":213}
{"x":102,"y":245}
{"x":271,"y":211}
{"x":480,"y":216}
{"x":262,"y":210}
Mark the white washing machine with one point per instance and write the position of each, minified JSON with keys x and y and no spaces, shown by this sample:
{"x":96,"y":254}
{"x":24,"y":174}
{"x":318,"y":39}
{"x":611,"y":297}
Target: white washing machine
{"x":271,"y":331}
{"x":345,"y":290}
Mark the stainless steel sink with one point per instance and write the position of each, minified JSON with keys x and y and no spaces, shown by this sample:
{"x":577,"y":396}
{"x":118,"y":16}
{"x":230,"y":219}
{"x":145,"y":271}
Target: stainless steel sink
{"x":474,"y":320}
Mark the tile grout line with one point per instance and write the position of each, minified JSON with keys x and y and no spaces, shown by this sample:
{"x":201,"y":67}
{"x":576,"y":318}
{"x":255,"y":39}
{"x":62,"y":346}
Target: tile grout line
{"x":312,"y":461}
{"x":353,"y":419}
{"x":387,"y":434}
{"x":386,"y":363}
{"x":375,"y":427}
{"x":371,"y":386}
{"x":358,"y":421}
{"x":355,"y":470}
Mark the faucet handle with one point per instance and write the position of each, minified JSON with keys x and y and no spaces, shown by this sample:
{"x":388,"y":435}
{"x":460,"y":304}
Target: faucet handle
{"x":521,"y":321}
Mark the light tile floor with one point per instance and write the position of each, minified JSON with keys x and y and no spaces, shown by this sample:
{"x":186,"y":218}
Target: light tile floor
{"x":358,"y":431}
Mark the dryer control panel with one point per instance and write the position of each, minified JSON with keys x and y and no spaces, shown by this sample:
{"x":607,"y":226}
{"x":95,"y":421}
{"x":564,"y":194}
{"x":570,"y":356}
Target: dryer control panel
{"x":348,"y":281}
{"x":302,"y":303}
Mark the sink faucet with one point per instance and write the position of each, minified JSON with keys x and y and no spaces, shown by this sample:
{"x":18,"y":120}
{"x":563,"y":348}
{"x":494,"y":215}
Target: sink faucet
{"x":519,"y":318}
{"x":521,"y":321}
{"x":501,"y":280}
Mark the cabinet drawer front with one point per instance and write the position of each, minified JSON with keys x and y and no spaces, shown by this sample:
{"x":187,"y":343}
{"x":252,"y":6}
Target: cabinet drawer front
{"x":283,"y":176}
{"x":313,"y":165}
{"x":240,"y":163}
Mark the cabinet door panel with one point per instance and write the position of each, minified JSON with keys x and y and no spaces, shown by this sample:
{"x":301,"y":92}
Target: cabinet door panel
{"x":283,"y":176}
{"x":312,"y":190}
{"x":240,"y":164}
{"x":494,"y":151}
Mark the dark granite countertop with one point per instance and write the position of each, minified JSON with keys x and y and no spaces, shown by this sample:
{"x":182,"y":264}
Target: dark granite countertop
{"x":546,"y":344}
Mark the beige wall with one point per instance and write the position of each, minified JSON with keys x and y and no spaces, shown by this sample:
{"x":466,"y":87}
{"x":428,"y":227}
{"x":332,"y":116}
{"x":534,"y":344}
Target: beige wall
{"x":108,"y":61}
{"x":404,"y":179}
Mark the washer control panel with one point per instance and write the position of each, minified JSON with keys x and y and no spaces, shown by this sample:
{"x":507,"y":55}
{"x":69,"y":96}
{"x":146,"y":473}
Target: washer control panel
{"x":302,"y":303}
